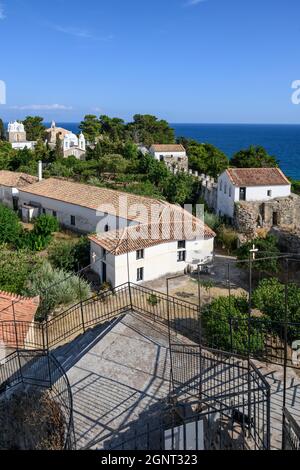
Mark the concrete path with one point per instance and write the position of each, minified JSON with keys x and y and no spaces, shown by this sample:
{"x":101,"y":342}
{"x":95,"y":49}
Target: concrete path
{"x":115,"y":378}
{"x":119,"y":374}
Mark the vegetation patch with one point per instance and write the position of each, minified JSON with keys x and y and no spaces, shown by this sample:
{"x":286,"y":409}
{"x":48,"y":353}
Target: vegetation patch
{"x":31,"y":420}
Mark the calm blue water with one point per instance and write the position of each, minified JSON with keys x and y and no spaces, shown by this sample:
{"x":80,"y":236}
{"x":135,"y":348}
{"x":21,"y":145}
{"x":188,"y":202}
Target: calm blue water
{"x":282,"y":141}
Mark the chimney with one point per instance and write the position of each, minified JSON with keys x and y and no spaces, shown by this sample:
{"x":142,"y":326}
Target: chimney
{"x":40,"y":171}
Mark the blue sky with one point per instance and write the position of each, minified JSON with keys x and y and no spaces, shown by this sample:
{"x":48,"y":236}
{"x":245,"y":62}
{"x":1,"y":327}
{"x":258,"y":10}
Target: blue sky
{"x":183,"y":60}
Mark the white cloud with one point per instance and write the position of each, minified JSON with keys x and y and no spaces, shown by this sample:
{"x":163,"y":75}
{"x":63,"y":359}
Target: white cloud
{"x":2,"y":14}
{"x":43,"y":107}
{"x":193,"y":3}
{"x":81,"y":33}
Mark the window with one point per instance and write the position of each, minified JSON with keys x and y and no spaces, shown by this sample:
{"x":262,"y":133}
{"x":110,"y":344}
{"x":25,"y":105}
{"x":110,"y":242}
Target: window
{"x":140,"y":274}
{"x":140,"y":254}
{"x":181,"y":256}
{"x":73,"y":220}
{"x":181,"y":245}
{"x":221,"y":185}
{"x":44,"y":211}
{"x":225,"y":189}
{"x":106,"y":228}
{"x":54,"y":213}
{"x":270,"y":193}
{"x":104,"y":253}
{"x":230,"y":191}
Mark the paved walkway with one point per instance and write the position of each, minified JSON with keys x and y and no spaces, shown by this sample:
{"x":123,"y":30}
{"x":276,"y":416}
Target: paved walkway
{"x":115,"y":378}
{"x":119,"y":376}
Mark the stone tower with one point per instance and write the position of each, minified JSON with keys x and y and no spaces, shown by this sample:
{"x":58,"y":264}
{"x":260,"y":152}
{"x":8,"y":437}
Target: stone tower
{"x":16,"y":132}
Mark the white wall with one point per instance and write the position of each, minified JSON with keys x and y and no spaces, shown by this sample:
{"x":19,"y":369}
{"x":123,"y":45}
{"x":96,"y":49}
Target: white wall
{"x":260,"y":193}
{"x":226,"y":200}
{"x":158,"y":261}
{"x":253,"y":193}
{"x":6,"y":195}
{"x":23,"y":145}
{"x":87,"y":220}
{"x":175,"y":155}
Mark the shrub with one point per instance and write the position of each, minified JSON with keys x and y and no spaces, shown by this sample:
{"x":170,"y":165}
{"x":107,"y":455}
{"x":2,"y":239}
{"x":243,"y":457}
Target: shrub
{"x":46,"y":225}
{"x":10,"y":226}
{"x":228,"y":237}
{"x":153,"y":300}
{"x":70,"y":254}
{"x":15,"y":268}
{"x":56,"y":287}
{"x":212,"y":220}
{"x":268,"y":247}
{"x":269,"y":297}
{"x":226,"y":326}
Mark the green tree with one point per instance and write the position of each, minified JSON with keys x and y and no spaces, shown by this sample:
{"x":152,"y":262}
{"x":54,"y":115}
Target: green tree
{"x":207,"y":159}
{"x":70,"y":255}
{"x":148,"y":129}
{"x":253,"y":157}
{"x":268,"y":248}
{"x":226,"y":327}
{"x":34,"y":128}
{"x":22,"y":158}
{"x":113,"y":128}
{"x":269,"y":298}
{"x":10,"y":226}
{"x":178,"y":189}
{"x":56,"y":287}
{"x":2,"y":131}
{"x":90,"y":127}
{"x":7,"y":153}
{"x":58,"y":151}
{"x":15,"y":268}
{"x":112,"y":164}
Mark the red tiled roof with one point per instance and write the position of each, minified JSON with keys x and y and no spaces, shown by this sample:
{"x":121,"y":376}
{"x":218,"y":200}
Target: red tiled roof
{"x":20,"y":309}
{"x":139,"y":237}
{"x":121,"y":204}
{"x":167,"y":148}
{"x":257,"y":177}
{"x":16,"y":180}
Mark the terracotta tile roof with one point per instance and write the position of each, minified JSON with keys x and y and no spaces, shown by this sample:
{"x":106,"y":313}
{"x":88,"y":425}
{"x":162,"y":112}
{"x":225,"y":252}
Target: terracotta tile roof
{"x":16,"y":180}
{"x":257,"y":177}
{"x":167,"y":148}
{"x":23,"y":310}
{"x":139,"y":237}
{"x":125,"y":205}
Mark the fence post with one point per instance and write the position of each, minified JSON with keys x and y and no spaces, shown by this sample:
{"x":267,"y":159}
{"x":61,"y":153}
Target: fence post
{"x":17,"y":341}
{"x":81,"y":304}
{"x":82,"y":315}
{"x":130,"y":295}
{"x":231,"y":337}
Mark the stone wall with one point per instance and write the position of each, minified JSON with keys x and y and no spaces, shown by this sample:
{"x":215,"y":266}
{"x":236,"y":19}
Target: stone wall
{"x":252,"y":217}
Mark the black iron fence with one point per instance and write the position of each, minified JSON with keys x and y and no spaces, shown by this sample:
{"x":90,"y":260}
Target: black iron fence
{"x":267,"y":340}
{"x":227,"y":384}
{"x":291,"y":432}
{"x":42,"y":371}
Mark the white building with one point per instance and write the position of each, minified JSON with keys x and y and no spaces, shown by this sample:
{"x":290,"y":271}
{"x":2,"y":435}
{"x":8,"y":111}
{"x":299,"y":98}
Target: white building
{"x":158,"y":237}
{"x":17,"y":136}
{"x":173,"y":155}
{"x":10,"y":185}
{"x":250,"y":184}
{"x":72,"y":145}
{"x":124,"y":255}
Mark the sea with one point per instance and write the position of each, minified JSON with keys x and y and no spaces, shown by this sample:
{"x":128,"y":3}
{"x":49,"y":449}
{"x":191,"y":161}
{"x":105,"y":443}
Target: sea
{"x":282,"y":141}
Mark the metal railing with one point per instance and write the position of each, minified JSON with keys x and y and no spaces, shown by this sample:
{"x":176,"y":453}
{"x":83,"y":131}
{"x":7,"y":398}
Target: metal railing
{"x":291,"y":432}
{"x":227,"y":384}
